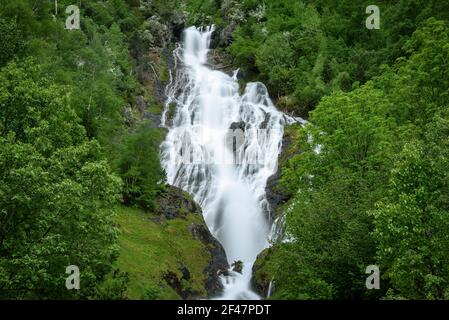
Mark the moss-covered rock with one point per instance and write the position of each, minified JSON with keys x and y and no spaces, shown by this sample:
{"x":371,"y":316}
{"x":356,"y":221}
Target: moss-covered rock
{"x":169,"y":253}
{"x":277,"y":195}
{"x":237,"y":266}
{"x":175,"y":203}
{"x":264,"y":270}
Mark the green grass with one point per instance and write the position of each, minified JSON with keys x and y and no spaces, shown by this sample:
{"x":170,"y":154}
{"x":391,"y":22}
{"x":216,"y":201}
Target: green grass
{"x":149,"y":249}
{"x":156,"y":108}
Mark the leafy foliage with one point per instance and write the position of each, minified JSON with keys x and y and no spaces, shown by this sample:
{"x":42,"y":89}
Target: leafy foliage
{"x":305,"y":50}
{"x":138,"y":165}
{"x":412,"y":221}
{"x":62,"y":100}
{"x":375,"y":192}
{"x":55,"y":190}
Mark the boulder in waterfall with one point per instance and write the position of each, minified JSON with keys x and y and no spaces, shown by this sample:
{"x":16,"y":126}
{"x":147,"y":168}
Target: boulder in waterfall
{"x":237,"y":125}
{"x":237,"y":266}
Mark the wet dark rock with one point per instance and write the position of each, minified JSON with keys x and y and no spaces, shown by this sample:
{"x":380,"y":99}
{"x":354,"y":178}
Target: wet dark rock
{"x":176,"y":203}
{"x":276,"y":195}
{"x":237,"y":125}
{"x":260,"y":281}
{"x":141,"y":105}
{"x":177,"y":31}
{"x":173,"y":281}
{"x":215,"y":39}
{"x":265,"y":121}
{"x":178,"y":24}
{"x":176,"y":283}
{"x":222,"y":36}
{"x":237,"y":266}
{"x":218,"y":59}
{"x":218,"y":265}
{"x":226,"y":34}
{"x":185,"y":272}
{"x":241,"y":74}
{"x":224,"y":273}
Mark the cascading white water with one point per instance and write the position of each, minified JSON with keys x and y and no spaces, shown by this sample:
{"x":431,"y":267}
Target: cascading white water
{"x":196,"y":158}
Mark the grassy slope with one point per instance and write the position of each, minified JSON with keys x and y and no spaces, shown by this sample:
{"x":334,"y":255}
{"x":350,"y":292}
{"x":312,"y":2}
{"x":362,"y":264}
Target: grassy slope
{"x":148,"y":249}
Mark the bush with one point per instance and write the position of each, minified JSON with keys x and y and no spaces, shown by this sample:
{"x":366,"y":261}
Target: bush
{"x":139,"y":166}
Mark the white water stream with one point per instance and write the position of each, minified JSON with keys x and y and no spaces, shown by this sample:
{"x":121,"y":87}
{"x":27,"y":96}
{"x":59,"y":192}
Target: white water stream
{"x":226,"y":174}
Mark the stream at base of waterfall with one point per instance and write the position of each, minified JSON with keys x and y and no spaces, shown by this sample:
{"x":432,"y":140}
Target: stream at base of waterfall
{"x":221,"y":147}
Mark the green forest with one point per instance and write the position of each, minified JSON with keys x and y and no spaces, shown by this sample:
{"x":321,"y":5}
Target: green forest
{"x":364,"y":182}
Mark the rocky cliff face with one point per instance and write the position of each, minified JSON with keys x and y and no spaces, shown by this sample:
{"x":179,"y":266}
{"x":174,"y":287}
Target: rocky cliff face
{"x":177,"y":204}
{"x":277,"y":196}
{"x":169,"y":253}
{"x":263,"y":272}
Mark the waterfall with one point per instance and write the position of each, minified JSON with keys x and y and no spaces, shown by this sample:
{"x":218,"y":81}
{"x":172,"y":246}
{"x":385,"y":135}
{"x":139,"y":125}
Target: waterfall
{"x":270,"y":288}
{"x":221,"y":147}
